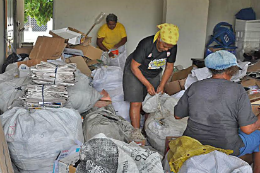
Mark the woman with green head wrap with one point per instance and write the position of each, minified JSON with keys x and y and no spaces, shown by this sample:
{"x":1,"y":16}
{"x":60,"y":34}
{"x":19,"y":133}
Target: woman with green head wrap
{"x":144,"y":65}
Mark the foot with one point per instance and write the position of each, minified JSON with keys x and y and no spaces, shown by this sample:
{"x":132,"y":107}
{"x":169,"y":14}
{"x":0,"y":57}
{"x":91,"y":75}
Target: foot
{"x":137,"y":137}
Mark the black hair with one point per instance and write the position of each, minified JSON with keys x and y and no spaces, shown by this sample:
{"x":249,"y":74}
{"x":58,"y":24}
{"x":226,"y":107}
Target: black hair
{"x":111,"y":17}
{"x":229,"y":71}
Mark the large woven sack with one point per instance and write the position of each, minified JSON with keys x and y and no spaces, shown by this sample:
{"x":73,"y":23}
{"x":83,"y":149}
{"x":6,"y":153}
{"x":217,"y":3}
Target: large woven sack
{"x":106,"y":155}
{"x":36,"y":138}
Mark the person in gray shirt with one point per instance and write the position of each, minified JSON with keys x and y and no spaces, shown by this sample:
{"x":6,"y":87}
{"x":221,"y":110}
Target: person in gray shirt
{"x":219,"y":110}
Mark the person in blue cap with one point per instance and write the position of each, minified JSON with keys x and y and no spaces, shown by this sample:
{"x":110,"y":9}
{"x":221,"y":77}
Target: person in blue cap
{"x":219,"y":110}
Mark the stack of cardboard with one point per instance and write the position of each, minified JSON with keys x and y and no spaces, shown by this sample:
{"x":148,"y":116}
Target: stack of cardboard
{"x":81,"y":51}
{"x":78,"y":53}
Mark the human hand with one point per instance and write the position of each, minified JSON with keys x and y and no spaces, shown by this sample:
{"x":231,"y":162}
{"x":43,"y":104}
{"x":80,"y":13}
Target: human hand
{"x":160,"y":89}
{"x":150,"y":90}
{"x":111,"y":55}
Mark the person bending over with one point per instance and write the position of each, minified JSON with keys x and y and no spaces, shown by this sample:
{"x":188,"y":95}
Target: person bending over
{"x":219,"y":110}
{"x":143,"y":67}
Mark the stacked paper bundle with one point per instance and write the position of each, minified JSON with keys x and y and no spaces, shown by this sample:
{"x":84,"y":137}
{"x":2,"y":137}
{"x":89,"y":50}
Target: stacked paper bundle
{"x":49,"y":74}
{"x":52,"y":96}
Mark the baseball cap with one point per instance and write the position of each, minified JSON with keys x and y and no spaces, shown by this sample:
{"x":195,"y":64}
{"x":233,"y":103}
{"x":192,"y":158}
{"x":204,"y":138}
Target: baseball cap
{"x":221,"y":60}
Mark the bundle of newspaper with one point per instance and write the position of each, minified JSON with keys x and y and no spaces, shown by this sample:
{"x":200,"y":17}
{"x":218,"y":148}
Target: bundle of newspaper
{"x":47,"y":73}
{"x":38,"y":96}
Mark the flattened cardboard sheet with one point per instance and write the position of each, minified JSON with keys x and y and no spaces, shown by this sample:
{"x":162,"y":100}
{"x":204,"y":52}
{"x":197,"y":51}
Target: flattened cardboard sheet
{"x":48,"y":48}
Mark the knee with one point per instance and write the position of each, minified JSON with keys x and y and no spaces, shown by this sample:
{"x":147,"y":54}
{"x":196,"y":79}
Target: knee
{"x":136,"y":105}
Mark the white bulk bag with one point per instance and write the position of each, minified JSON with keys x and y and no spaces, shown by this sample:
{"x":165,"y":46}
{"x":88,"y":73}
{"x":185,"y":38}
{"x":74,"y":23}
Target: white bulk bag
{"x":215,"y":161}
{"x":158,"y":129}
{"x":36,"y":138}
{"x":101,"y":154}
{"x":10,"y":91}
{"x":10,"y":72}
{"x":107,"y":78}
{"x":110,"y":78}
{"x":82,"y":96}
{"x":161,"y":122}
{"x":160,"y":102}
{"x":120,"y":59}
{"x":107,"y":122}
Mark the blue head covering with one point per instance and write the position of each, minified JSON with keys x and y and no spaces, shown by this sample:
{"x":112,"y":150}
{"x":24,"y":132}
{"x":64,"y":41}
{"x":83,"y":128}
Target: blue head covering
{"x":221,"y":60}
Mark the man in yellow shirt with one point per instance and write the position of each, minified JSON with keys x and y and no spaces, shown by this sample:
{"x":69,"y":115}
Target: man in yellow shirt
{"x":111,"y":35}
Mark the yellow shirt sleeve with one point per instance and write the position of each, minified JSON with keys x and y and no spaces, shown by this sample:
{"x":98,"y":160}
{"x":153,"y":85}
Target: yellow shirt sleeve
{"x":102,"y":31}
{"x":122,"y":30}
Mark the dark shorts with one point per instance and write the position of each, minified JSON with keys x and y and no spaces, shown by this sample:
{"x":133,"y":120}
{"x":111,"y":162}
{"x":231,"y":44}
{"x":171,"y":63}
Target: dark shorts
{"x":134,"y":90}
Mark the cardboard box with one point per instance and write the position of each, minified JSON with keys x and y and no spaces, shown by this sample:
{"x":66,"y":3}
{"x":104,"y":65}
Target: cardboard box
{"x":87,"y":39}
{"x":71,"y":36}
{"x":177,"y":81}
{"x":252,"y":82}
{"x":256,"y":109}
{"x":254,"y":68}
{"x":72,"y":169}
{"x":81,"y":64}
{"x":47,"y":48}
{"x":89,"y":51}
{"x":174,"y":86}
{"x":5,"y":161}
{"x":25,"y":50}
{"x":182,"y":74}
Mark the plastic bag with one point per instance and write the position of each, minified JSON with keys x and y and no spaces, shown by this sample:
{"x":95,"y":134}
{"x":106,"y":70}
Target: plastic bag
{"x":11,"y":90}
{"x":106,"y":121}
{"x":158,"y":129}
{"x":163,"y":103}
{"x":119,"y":60}
{"x":82,"y":96}
{"x":36,"y":138}
{"x":107,"y":78}
{"x":215,"y":162}
{"x":101,"y":154}
{"x":110,"y":78}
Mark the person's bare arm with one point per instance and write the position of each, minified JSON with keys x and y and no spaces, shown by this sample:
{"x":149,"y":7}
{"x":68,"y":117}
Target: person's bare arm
{"x":165,"y":77}
{"x":102,"y":47}
{"x":137,"y":72}
{"x":252,"y":127}
{"x":121,"y":43}
{"x":100,"y":44}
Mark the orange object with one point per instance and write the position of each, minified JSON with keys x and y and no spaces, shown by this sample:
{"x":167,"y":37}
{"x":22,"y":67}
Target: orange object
{"x":115,"y":52}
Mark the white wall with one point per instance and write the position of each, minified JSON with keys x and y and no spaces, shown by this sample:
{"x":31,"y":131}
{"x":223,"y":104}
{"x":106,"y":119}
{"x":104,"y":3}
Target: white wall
{"x":139,"y":17}
{"x":256,"y":6}
{"x":224,"y":11}
{"x":2,"y":56}
{"x":191,"y":17}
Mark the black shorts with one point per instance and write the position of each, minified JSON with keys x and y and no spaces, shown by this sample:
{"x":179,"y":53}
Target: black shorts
{"x":134,"y":89}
